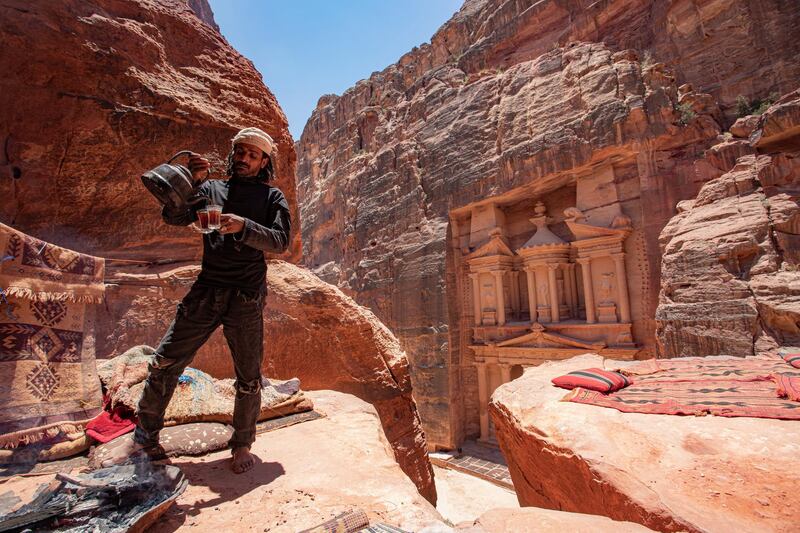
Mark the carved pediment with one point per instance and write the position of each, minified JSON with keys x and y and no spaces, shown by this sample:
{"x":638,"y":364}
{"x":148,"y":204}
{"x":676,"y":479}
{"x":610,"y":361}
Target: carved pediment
{"x":586,"y":231}
{"x":497,"y":245}
{"x":576,"y":222}
{"x":539,"y":337}
{"x":543,"y":236}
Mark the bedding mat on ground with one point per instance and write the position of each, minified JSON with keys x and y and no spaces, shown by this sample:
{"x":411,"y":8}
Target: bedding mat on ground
{"x":187,"y":439}
{"x":198,"y":397}
{"x":754,"y":386}
{"x":49,"y":387}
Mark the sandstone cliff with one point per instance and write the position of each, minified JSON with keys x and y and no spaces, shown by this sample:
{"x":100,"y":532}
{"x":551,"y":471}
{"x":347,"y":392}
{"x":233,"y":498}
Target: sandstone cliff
{"x":94,"y":93}
{"x":311,"y":331}
{"x":509,"y":103}
{"x":731,"y":283}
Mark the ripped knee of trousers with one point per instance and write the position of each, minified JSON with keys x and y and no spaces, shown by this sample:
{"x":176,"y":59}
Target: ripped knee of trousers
{"x":161,"y":363}
{"x":249,"y":387}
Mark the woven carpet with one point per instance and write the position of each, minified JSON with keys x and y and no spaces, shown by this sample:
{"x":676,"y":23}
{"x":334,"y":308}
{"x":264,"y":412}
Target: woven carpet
{"x":755,"y":386}
{"x":49,"y":386}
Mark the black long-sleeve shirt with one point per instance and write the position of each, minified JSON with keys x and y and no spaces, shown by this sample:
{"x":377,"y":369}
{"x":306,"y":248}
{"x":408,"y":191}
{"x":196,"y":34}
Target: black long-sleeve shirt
{"x":237,"y":260}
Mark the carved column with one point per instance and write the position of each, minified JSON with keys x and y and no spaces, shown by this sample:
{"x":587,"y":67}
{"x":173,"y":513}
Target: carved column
{"x":515,"y":293}
{"x":505,"y":374}
{"x":567,"y":288}
{"x":588,"y":291}
{"x":476,"y":296}
{"x":483,"y":400}
{"x":553,"y":286}
{"x":573,"y":289}
{"x":500,"y":297}
{"x":622,"y":287}
{"x":532,"y":293}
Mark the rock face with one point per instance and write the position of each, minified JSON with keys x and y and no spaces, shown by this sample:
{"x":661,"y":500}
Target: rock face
{"x":312,"y":331}
{"x":730,"y":279}
{"x":98,"y":91}
{"x":670,"y":473}
{"x":513,"y":103}
{"x":546,"y":520}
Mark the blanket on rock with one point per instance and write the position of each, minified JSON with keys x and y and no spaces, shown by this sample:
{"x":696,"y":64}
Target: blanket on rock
{"x":198,"y":396}
{"x":762,"y":387}
{"x":48,"y":382}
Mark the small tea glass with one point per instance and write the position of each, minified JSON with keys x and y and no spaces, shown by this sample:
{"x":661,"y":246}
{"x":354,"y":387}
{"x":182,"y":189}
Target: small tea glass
{"x":214,"y":216}
{"x":208,"y":218}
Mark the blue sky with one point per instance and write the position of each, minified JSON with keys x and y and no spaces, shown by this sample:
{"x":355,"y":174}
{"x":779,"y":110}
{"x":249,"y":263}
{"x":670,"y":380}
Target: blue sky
{"x":307,"y":48}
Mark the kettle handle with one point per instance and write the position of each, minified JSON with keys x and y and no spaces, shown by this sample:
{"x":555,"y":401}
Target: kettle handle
{"x":188,"y":152}
{"x":176,"y":156}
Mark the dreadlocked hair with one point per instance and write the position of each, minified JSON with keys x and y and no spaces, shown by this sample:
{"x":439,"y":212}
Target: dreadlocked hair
{"x":266,"y":174}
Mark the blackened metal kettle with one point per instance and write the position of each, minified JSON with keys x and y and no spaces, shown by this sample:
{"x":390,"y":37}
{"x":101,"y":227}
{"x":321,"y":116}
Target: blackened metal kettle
{"x":173,"y":185}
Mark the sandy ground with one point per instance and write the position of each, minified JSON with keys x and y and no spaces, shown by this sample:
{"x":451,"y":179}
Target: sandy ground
{"x":463,"y":498}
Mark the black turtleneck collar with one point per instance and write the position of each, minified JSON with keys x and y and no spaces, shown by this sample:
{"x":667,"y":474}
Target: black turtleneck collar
{"x":248,"y":180}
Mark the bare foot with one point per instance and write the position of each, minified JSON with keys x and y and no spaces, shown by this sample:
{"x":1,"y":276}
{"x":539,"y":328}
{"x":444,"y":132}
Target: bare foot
{"x":242,"y":460}
{"x":128,"y":449}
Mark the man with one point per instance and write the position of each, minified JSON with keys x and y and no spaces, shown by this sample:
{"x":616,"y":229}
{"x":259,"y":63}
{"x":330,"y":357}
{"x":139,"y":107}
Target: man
{"x":229,"y":290}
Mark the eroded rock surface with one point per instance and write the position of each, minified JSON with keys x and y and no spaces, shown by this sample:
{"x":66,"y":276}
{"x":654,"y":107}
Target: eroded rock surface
{"x":94,"y":93}
{"x":669,"y":473}
{"x":312,"y":331}
{"x":731,"y":267}
{"x":546,"y":520}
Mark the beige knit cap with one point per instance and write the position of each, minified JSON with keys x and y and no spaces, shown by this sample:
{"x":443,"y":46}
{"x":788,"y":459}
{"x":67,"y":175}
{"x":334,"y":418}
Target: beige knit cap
{"x":256,"y":137}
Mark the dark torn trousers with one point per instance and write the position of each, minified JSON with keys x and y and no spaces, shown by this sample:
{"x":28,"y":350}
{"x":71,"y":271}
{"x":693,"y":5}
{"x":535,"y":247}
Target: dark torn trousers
{"x":198,"y":315}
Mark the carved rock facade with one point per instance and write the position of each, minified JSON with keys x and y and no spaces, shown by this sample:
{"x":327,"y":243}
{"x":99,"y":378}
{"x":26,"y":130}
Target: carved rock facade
{"x":404,"y":176}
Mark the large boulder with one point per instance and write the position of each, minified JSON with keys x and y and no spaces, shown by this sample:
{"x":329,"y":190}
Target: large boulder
{"x":670,"y":473}
{"x":312,"y":331}
{"x":98,"y":91}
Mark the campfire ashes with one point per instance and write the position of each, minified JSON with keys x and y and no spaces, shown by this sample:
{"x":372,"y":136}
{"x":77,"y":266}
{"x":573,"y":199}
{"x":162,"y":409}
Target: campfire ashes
{"x":115,"y":499}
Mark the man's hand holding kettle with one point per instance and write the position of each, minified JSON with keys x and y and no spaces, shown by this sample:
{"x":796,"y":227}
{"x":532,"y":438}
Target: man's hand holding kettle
{"x":199,"y":166}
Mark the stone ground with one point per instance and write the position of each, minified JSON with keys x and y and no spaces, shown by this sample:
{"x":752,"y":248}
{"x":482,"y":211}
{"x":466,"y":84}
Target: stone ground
{"x":464,"y":497}
{"x":482,"y":461}
{"x":307,"y":474}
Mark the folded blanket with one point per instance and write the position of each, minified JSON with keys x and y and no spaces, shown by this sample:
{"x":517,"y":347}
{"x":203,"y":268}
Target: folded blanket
{"x":109,"y":425}
{"x":788,"y":387}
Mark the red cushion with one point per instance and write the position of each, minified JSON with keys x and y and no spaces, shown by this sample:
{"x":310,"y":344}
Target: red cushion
{"x":792,"y":358}
{"x":593,"y":379}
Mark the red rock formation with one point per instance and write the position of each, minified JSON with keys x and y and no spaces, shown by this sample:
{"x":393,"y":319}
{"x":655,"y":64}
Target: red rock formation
{"x":670,"y":473}
{"x":509,"y":101}
{"x":730,"y":279}
{"x":312,"y":331}
{"x":95,"y":92}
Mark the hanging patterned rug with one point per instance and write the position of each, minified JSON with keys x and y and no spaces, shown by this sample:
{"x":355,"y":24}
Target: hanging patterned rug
{"x":49,"y":388}
{"x":754,"y":386}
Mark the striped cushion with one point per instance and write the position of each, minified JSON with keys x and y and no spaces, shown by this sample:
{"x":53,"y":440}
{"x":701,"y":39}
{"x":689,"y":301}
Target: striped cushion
{"x":594,"y":379}
{"x":793,"y":358}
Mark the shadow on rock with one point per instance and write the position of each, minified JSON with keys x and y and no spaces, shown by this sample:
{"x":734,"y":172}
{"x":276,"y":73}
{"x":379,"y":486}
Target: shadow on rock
{"x":222,"y":483}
